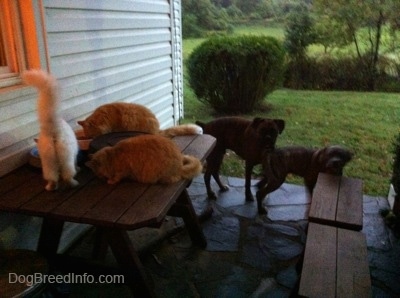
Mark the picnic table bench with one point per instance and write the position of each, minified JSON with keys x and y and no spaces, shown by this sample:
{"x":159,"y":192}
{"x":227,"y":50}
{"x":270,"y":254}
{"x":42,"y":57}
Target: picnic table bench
{"x":112,"y":209}
{"x":335,"y":262}
{"x":337,"y":201}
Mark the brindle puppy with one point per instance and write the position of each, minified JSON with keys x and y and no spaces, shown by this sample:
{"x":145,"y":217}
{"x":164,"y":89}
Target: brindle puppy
{"x":301,"y":161}
{"x":247,"y":138}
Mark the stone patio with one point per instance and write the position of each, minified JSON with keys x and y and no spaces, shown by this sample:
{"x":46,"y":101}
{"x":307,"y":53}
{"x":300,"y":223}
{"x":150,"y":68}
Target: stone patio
{"x":247,"y":255}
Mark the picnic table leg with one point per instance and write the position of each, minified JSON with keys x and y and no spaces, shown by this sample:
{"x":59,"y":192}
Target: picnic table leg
{"x":100,"y":244}
{"x":49,"y":238}
{"x":183,"y":208}
{"x":129,"y":261}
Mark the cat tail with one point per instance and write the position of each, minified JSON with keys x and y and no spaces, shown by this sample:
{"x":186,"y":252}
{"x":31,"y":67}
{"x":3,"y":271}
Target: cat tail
{"x":181,"y":130}
{"x":48,"y":93}
{"x":191,"y":167}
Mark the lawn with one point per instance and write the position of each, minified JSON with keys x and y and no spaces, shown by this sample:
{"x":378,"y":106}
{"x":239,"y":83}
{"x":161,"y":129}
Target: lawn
{"x":366,"y":123}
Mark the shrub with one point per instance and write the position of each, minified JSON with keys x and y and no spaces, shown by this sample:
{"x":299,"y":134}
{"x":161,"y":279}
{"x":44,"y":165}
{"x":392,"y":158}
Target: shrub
{"x":234,"y":74}
{"x":327,"y":73}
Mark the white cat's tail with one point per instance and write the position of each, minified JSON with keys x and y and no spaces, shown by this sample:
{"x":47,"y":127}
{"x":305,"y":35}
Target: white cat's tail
{"x":191,"y":167}
{"x":182,"y":130}
{"x":47,"y":105}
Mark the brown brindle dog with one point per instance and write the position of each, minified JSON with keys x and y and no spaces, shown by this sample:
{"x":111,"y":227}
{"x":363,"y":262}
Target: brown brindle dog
{"x":300,"y":161}
{"x":249,"y":139}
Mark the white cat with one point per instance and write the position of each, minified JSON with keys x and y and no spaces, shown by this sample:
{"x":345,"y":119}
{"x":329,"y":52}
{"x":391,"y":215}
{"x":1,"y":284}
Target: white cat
{"x":57,"y":144}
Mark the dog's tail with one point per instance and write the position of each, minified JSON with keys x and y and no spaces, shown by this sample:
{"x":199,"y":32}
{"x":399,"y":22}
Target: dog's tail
{"x":182,"y":130}
{"x":191,"y":167}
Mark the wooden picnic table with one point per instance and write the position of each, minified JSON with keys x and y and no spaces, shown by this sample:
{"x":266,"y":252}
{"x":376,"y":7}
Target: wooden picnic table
{"x":112,"y":209}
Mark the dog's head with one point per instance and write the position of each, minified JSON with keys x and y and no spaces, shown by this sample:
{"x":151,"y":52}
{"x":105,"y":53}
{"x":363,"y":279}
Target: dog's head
{"x":267,"y":131}
{"x":332,"y":159}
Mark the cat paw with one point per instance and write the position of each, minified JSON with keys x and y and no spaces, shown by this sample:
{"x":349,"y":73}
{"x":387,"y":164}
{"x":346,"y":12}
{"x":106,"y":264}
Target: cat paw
{"x":73,"y":183}
{"x":51,"y":185}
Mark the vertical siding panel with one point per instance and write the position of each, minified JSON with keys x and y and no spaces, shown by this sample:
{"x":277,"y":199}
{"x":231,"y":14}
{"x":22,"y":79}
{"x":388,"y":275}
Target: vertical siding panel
{"x":176,"y":30}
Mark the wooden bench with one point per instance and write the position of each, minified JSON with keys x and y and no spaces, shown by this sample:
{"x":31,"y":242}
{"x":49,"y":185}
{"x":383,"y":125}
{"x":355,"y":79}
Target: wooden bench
{"x":111,"y":209}
{"x":337,"y":201}
{"x":335,"y":262}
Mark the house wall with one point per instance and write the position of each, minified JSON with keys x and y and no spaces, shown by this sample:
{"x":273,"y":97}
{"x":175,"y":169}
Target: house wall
{"x":101,"y":51}
{"x":112,"y":51}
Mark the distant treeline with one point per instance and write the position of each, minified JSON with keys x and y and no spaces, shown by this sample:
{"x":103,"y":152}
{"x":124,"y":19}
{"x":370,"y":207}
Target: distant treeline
{"x":203,"y":16}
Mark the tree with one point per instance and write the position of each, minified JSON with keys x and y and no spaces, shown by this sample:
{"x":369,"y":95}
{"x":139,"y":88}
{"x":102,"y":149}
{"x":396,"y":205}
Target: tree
{"x":299,"y":33}
{"x":247,"y":6}
{"x":330,"y":33}
{"x":202,"y":15}
{"x":364,"y":21}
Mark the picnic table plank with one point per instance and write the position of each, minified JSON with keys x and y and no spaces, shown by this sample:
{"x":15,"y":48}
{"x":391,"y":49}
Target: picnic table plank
{"x":350,"y":208}
{"x":112,"y":206}
{"x":46,"y":201}
{"x":16,"y":179}
{"x":22,"y":193}
{"x":200,"y":147}
{"x":84,"y":200}
{"x":335,"y":263}
{"x":153,"y":206}
{"x":324,"y":199}
{"x":337,"y":201}
{"x":353,"y":277}
{"x":318,"y":277}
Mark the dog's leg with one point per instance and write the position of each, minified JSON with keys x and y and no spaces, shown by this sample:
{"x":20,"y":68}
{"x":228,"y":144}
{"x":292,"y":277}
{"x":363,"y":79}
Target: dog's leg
{"x":263,"y":192}
{"x":214,"y":162}
{"x":247,"y":186}
{"x":260,"y":184}
{"x":207,"y":181}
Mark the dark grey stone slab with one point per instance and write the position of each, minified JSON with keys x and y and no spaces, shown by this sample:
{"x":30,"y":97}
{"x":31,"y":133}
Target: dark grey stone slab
{"x":288,"y":213}
{"x":231,"y":197}
{"x":288,"y":194}
{"x":376,"y":232}
{"x":287,"y":277}
{"x":222,"y":233}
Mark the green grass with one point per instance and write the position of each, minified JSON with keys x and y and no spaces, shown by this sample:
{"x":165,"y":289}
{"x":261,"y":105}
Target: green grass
{"x":366,"y":123}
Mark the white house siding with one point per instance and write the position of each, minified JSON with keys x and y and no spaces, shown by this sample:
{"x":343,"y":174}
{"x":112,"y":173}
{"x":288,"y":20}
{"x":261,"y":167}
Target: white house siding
{"x":101,"y":51}
{"x":106,"y":51}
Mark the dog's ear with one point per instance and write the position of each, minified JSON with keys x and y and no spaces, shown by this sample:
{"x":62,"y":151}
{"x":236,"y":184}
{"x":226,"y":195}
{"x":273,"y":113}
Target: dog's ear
{"x":257,"y":121}
{"x":281,"y":124}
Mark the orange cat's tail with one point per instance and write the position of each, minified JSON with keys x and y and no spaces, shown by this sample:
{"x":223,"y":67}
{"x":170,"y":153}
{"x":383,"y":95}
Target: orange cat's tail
{"x":182,"y":130}
{"x":191,"y":167}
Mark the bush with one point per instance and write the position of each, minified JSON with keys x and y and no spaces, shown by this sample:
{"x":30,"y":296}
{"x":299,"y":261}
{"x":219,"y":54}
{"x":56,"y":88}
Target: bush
{"x":327,"y":73}
{"x":234,"y":74}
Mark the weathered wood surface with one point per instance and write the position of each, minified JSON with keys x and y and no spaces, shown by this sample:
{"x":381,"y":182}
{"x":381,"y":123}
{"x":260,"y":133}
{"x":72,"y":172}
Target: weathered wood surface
{"x":335,"y":263}
{"x":128,"y":205}
{"x":337,"y":201}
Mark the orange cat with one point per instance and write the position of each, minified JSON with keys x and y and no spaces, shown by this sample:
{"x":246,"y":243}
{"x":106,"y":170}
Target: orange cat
{"x":146,"y":159}
{"x":121,"y":116}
